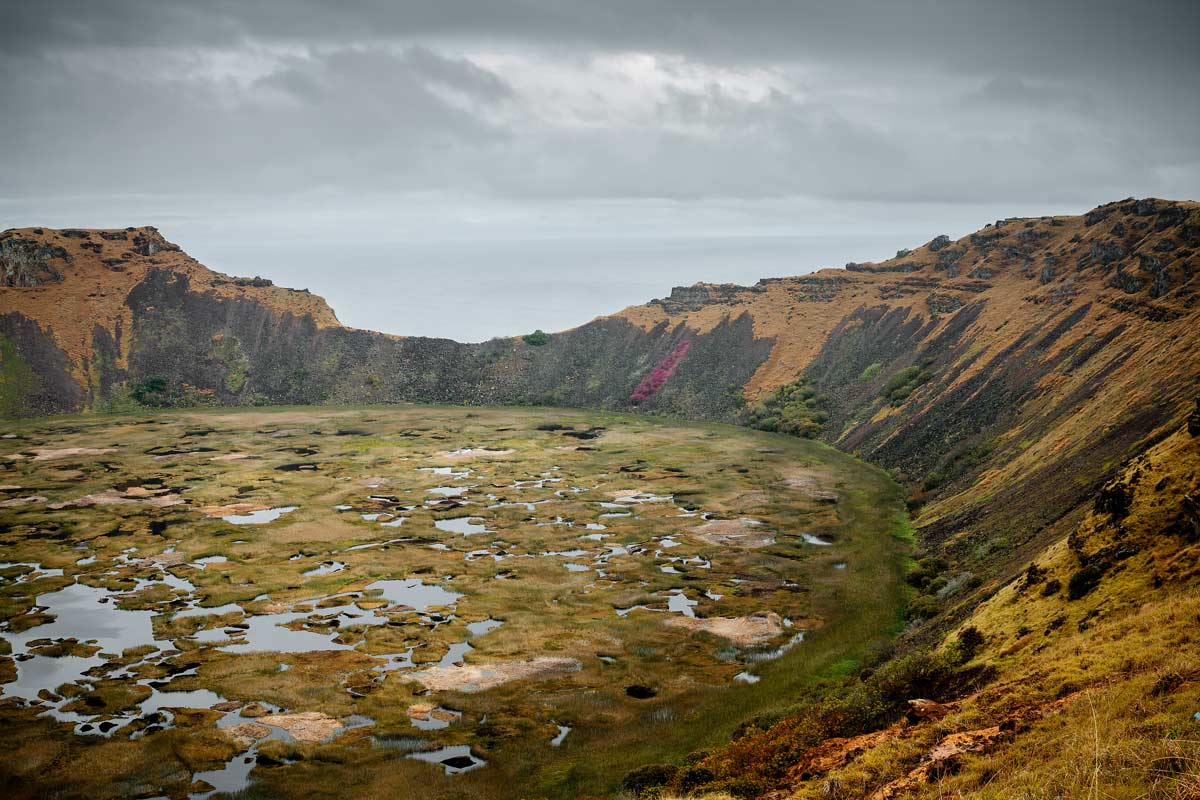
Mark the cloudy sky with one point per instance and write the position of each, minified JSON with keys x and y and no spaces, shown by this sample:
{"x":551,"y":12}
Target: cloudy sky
{"x":478,"y":167}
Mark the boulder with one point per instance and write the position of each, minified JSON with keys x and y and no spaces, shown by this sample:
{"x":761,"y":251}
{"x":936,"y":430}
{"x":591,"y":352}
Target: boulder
{"x":924,"y":709}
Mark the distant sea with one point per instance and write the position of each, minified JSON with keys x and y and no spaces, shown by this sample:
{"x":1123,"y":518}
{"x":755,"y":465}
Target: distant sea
{"x":473,"y":290}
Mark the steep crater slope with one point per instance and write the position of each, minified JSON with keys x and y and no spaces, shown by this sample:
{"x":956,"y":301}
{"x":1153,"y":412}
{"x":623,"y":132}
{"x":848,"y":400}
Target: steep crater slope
{"x":978,"y":370}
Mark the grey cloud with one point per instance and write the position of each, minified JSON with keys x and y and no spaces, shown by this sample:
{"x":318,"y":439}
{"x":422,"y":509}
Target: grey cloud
{"x":352,"y":118}
{"x":1008,"y":92}
{"x":984,"y":35}
{"x":868,"y":101}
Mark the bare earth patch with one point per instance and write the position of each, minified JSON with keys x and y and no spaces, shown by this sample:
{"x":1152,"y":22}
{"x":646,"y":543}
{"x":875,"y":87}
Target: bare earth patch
{"x":305,"y":726}
{"x":472,"y":678}
{"x":171,"y":559}
{"x":743,"y":532}
{"x":247,"y":733}
{"x":159,"y":498}
{"x":233,"y":508}
{"x":472,"y":452}
{"x":66,"y":452}
{"x":424,"y":712}
{"x":16,"y":502}
{"x":753,"y":629}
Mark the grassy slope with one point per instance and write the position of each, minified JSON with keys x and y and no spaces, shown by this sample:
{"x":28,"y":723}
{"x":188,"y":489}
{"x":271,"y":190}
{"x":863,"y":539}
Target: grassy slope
{"x":1094,"y":695}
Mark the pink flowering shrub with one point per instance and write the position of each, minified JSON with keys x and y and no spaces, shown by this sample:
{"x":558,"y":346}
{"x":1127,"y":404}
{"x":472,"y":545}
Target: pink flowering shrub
{"x":659,"y":375}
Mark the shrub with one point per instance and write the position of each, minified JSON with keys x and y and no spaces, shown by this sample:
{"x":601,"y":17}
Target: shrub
{"x":155,"y":391}
{"x":740,"y":787}
{"x":650,"y":384}
{"x":160,"y":392}
{"x":1084,"y":581}
{"x":903,"y":383}
{"x":921,"y":574}
{"x":970,"y":639}
{"x":923,"y":607}
{"x":538,"y":338}
{"x":650,"y":776}
{"x":870,"y":372}
{"x":795,"y":409}
{"x":693,"y":777}
{"x":902,"y":252}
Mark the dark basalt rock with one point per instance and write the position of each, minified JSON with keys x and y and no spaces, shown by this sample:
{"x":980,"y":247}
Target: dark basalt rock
{"x":943,"y":303}
{"x":1169,"y":217}
{"x":1126,"y":282}
{"x":1106,"y":252}
{"x":903,"y":266}
{"x":1144,"y":207}
{"x":939,"y":242}
{"x":1114,"y":498}
{"x":24,"y":262}
{"x":288,"y":359}
{"x":255,"y":281}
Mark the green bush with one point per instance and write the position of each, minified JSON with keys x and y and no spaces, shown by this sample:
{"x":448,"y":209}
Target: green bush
{"x":903,"y":383}
{"x":537,"y":339}
{"x":902,"y":252}
{"x":970,"y":639}
{"x":160,"y":392}
{"x":870,"y":372}
{"x":119,"y":401}
{"x":693,"y":777}
{"x":1084,"y":581}
{"x":651,"y":776}
{"x":155,"y":391}
{"x":795,"y":409}
{"x":923,"y":607}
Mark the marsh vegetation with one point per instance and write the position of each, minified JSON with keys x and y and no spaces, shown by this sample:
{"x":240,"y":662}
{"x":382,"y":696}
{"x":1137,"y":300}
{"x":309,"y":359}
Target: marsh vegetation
{"x":351,"y":602}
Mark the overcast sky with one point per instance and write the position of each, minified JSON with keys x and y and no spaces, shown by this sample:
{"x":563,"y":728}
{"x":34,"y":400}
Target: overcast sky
{"x":379,"y":150}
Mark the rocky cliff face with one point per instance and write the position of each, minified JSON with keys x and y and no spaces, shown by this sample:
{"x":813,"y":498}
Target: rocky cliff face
{"x":127,"y":307}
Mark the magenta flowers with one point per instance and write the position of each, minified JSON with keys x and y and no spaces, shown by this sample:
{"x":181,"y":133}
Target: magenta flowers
{"x":659,"y":375}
